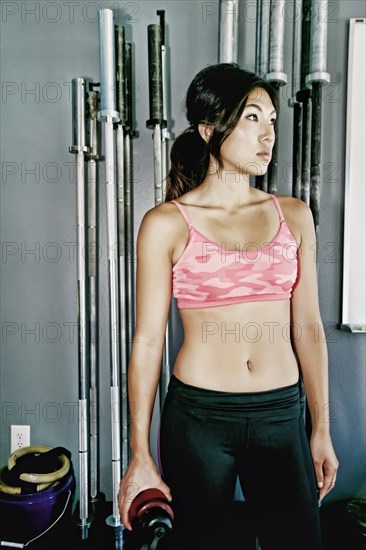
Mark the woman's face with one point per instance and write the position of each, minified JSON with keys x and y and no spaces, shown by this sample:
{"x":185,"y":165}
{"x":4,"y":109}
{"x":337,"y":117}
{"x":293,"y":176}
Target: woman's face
{"x":253,"y":134}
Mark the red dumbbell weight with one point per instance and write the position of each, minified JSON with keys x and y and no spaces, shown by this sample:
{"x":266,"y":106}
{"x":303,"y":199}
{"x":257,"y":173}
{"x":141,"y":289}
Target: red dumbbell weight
{"x":151,"y":513}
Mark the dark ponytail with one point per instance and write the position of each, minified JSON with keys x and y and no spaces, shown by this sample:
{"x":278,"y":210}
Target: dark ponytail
{"x":189,"y":156}
{"x":217,"y":96}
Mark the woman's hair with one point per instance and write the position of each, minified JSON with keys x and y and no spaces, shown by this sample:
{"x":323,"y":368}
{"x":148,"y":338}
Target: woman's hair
{"x":217,"y":95}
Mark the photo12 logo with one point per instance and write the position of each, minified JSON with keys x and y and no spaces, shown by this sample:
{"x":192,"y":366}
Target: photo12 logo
{"x":69,"y":12}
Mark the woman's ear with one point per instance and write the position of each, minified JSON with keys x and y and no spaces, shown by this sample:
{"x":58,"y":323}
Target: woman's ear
{"x":205,"y":131}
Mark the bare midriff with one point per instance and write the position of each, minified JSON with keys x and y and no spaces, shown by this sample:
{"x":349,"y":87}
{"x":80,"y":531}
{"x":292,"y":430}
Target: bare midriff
{"x":243,"y":347}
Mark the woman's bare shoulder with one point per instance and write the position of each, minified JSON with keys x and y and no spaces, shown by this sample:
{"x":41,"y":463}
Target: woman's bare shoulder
{"x":291,"y":204}
{"x":192,"y":197}
{"x":294,"y":208}
{"x":162,"y":216}
{"x":296,"y":213}
{"x":161,"y":225}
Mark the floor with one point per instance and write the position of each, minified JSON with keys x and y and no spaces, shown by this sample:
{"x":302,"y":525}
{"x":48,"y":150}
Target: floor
{"x":66,"y":535}
{"x":340,"y":532}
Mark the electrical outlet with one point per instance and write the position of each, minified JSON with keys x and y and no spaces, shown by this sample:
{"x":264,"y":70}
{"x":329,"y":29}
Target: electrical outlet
{"x":19,"y":437}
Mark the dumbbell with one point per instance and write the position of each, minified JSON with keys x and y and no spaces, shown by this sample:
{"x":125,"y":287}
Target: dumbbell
{"x":151,"y":514}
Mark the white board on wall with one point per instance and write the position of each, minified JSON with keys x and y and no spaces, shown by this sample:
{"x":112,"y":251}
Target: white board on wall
{"x":354,"y":247}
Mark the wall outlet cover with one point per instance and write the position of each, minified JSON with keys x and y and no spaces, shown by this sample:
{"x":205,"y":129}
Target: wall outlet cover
{"x":19,"y":437}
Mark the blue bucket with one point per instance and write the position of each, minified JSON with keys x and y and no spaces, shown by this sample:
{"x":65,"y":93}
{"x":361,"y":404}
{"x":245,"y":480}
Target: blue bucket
{"x":24,"y":517}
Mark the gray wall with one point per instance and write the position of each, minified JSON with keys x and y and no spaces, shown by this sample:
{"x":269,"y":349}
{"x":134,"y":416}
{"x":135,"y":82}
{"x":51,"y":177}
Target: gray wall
{"x":42,"y":52}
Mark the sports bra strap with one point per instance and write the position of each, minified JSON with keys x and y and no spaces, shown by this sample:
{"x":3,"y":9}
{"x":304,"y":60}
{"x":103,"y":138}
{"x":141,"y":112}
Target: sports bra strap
{"x":183,"y":212}
{"x":278,"y":207}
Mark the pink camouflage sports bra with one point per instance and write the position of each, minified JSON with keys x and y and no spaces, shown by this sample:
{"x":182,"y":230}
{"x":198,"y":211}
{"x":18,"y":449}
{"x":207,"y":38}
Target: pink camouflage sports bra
{"x":208,"y":275}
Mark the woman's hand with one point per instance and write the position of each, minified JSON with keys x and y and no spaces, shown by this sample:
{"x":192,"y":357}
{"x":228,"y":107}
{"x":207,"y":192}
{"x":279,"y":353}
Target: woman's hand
{"x":325,"y":462}
{"x":141,"y":474}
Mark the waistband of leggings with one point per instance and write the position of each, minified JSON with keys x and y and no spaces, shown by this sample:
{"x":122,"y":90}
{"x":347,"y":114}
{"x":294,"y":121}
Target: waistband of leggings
{"x":265,"y":400}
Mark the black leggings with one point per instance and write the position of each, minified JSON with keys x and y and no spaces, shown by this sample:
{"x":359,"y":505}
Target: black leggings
{"x":208,"y":437}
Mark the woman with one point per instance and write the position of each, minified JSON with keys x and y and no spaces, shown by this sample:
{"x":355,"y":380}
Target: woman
{"x":241,"y":263}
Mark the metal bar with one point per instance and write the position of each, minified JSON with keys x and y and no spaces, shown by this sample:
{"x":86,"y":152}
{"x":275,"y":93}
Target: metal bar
{"x":158,"y":179}
{"x":318,"y":42}
{"x":276,"y":43}
{"x":128,"y":88}
{"x":262,"y":41}
{"x":108,"y":115}
{"x":276,"y":74}
{"x":123,"y":258}
{"x":130,"y":252}
{"x":121,"y":73}
{"x":296,"y":49}
{"x":129,"y":240}
{"x":228,"y":31}
{"x":93,"y":306}
{"x":304,"y":97}
{"x":258,"y":29}
{"x":315,"y":80}
{"x":93,"y":257}
{"x":156,"y":103}
{"x":273,"y":165}
{"x":315,"y":152}
{"x":302,"y":182}
{"x":305,"y":41}
{"x":306,"y":145}
{"x":79,"y":148}
{"x":293,"y":101}
{"x":265,"y":23}
{"x":154,"y":35}
{"x":297,"y":151}
{"x":127,"y":290}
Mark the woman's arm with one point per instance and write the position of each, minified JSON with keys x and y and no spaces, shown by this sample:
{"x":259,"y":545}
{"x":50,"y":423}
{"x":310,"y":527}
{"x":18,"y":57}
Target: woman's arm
{"x":306,"y":324}
{"x":309,"y":341}
{"x":153,"y":298}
